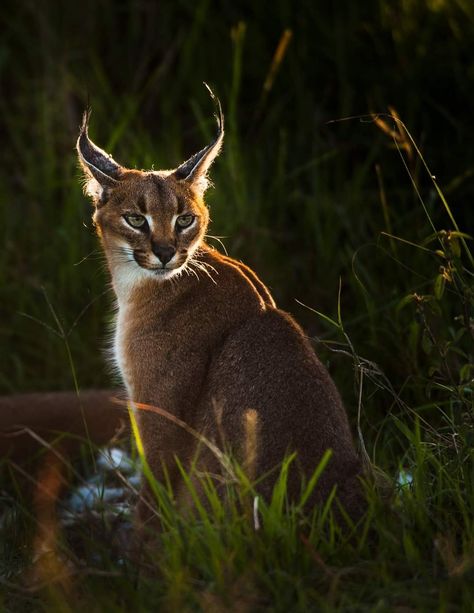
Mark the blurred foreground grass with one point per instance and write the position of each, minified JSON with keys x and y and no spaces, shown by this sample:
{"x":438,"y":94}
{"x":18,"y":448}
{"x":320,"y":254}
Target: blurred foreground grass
{"x":339,"y":214}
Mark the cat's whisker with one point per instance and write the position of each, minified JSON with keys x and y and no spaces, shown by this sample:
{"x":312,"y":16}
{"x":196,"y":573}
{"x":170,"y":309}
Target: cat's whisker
{"x":205,"y":268}
{"x":218,"y":239}
{"x":208,"y":266}
{"x":94,"y":254}
{"x":190,"y":270}
{"x":186,"y":270}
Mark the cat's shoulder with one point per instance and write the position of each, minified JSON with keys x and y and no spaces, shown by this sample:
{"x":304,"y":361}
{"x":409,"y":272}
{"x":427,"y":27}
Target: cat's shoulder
{"x":237,"y":274}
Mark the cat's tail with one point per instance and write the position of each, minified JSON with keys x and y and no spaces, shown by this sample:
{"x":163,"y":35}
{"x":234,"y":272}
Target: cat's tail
{"x":39,"y":436}
{"x":29,"y":422}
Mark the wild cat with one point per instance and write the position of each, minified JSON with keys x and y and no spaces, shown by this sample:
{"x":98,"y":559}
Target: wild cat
{"x":199,"y":338}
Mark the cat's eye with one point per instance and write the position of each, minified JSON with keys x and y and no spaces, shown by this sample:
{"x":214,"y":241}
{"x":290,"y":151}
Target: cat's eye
{"x":184,"y":221}
{"x":136,"y":221}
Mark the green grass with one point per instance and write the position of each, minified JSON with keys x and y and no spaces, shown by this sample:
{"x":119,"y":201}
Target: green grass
{"x":327,"y":211}
{"x":412,"y":549}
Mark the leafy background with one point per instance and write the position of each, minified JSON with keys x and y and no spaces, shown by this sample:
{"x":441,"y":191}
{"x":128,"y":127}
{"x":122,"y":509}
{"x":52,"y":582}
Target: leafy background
{"x":296,"y":197}
{"x":302,"y":194}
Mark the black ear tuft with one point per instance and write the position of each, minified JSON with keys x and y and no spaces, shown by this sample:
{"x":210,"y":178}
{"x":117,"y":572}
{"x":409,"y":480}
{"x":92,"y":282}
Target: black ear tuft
{"x":96,"y":163}
{"x":194,"y":170}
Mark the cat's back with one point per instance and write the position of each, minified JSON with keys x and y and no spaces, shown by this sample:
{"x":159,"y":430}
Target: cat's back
{"x":269,"y":362}
{"x":268,"y":367}
{"x":267,"y":356}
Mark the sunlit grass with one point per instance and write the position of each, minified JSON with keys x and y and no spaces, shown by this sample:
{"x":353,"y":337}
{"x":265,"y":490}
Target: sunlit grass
{"x":406,"y":550}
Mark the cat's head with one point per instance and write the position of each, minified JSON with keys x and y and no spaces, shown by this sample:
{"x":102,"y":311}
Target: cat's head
{"x":151,"y":223}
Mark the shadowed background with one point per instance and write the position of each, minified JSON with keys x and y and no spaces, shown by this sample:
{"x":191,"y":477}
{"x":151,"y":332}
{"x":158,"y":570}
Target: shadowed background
{"x":300,"y":195}
{"x":336,"y":214}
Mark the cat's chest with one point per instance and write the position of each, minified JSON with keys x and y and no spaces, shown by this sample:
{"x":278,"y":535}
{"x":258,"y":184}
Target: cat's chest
{"x":120,"y":355}
{"x":153,"y":354}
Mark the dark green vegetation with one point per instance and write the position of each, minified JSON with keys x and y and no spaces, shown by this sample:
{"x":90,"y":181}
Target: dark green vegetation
{"x":341,"y":215}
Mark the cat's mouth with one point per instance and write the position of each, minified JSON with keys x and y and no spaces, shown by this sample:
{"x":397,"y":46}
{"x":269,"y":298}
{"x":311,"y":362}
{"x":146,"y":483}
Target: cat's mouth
{"x":160,"y":272}
{"x":164,"y":273}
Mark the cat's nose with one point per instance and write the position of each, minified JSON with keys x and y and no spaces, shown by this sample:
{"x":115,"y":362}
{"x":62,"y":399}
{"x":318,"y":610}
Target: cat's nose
{"x":164,"y":252}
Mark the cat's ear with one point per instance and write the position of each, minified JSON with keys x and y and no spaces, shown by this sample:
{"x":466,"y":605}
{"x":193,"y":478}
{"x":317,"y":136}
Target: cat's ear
{"x":101,"y":171}
{"x":194,"y":170}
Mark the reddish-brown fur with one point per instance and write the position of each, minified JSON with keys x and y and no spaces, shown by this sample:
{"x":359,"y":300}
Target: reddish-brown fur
{"x":199,"y":337}
{"x":202,"y":340}
{"x":30,"y":422}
